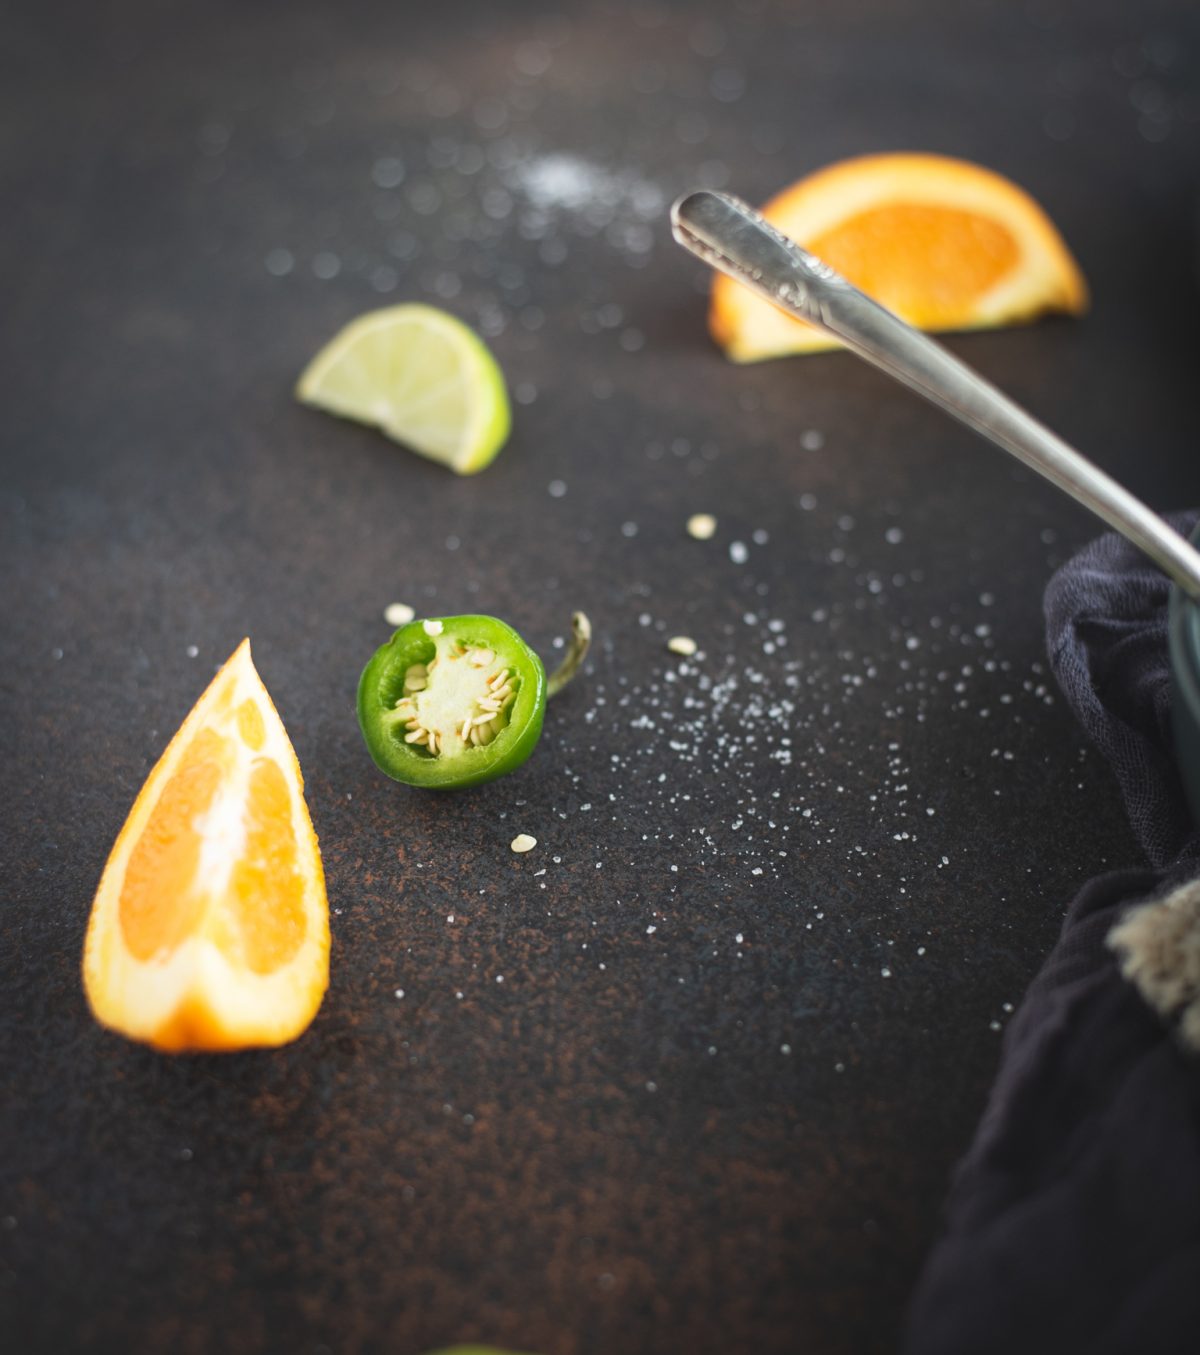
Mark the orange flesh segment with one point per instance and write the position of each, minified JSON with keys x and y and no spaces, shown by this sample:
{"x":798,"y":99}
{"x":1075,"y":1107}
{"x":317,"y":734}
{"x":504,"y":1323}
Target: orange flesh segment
{"x":163,"y":903}
{"x":267,"y":897}
{"x":251,"y":726}
{"x":159,"y":905}
{"x":927,"y":262}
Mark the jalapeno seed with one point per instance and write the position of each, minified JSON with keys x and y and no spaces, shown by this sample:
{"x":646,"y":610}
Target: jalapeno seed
{"x":456,"y":701}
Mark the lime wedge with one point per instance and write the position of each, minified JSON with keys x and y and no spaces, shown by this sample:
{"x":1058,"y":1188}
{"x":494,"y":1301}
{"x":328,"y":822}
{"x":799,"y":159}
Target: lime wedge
{"x":421,"y":377}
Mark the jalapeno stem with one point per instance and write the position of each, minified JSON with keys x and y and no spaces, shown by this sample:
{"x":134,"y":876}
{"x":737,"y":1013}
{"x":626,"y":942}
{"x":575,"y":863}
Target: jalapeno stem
{"x":577,"y":648}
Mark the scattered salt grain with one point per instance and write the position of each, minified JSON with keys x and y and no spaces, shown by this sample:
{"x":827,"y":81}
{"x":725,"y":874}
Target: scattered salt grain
{"x":738,"y":552}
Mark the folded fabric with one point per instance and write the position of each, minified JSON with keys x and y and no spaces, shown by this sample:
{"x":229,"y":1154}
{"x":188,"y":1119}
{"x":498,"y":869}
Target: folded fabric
{"x":1073,"y":1223}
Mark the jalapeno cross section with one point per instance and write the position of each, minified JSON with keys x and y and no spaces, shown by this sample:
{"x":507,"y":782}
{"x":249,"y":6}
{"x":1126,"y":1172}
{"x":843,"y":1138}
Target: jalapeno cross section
{"x":452,"y":701}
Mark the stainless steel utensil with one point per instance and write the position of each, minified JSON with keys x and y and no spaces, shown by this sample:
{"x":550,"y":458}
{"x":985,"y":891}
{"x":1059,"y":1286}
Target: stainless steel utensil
{"x":731,"y":236}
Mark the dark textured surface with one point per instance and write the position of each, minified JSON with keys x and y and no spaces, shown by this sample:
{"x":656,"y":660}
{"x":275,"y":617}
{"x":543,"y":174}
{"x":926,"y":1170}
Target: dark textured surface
{"x":610,"y":1149}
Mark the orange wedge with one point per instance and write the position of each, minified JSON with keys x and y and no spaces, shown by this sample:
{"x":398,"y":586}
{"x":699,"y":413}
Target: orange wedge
{"x":944,"y":243}
{"x":210,"y":928}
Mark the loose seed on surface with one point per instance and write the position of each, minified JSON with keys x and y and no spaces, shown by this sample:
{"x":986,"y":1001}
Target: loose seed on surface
{"x":682,"y":644}
{"x":398,"y":613}
{"x":523,"y":843}
{"x":431,"y":628}
{"x":701,"y":526}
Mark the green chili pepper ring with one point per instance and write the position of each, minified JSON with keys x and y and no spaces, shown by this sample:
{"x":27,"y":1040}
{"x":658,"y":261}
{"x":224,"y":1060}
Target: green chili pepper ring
{"x":451,"y":702}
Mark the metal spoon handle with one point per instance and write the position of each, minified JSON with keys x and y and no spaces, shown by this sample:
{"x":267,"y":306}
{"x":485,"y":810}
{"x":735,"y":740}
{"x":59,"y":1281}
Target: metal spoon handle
{"x":731,"y":236}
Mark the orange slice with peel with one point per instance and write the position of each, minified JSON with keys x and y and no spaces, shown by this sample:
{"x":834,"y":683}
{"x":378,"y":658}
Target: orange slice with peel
{"x":210,"y":927}
{"x":946,"y":244}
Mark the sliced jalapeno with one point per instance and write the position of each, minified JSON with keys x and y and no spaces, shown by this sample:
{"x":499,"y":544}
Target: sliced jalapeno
{"x":457,"y":700}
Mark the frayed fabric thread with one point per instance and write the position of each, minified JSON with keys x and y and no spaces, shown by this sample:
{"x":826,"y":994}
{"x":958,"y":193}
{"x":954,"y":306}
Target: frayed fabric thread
{"x":1158,"y":946}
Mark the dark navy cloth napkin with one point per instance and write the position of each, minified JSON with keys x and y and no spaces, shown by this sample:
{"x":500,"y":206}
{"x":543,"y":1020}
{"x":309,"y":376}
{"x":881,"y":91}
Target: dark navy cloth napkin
{"x":1073,"y":1223}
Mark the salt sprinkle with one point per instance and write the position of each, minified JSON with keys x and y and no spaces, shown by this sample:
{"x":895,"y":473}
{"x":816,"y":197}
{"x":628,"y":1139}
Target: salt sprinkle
{"x":398,"y":613}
